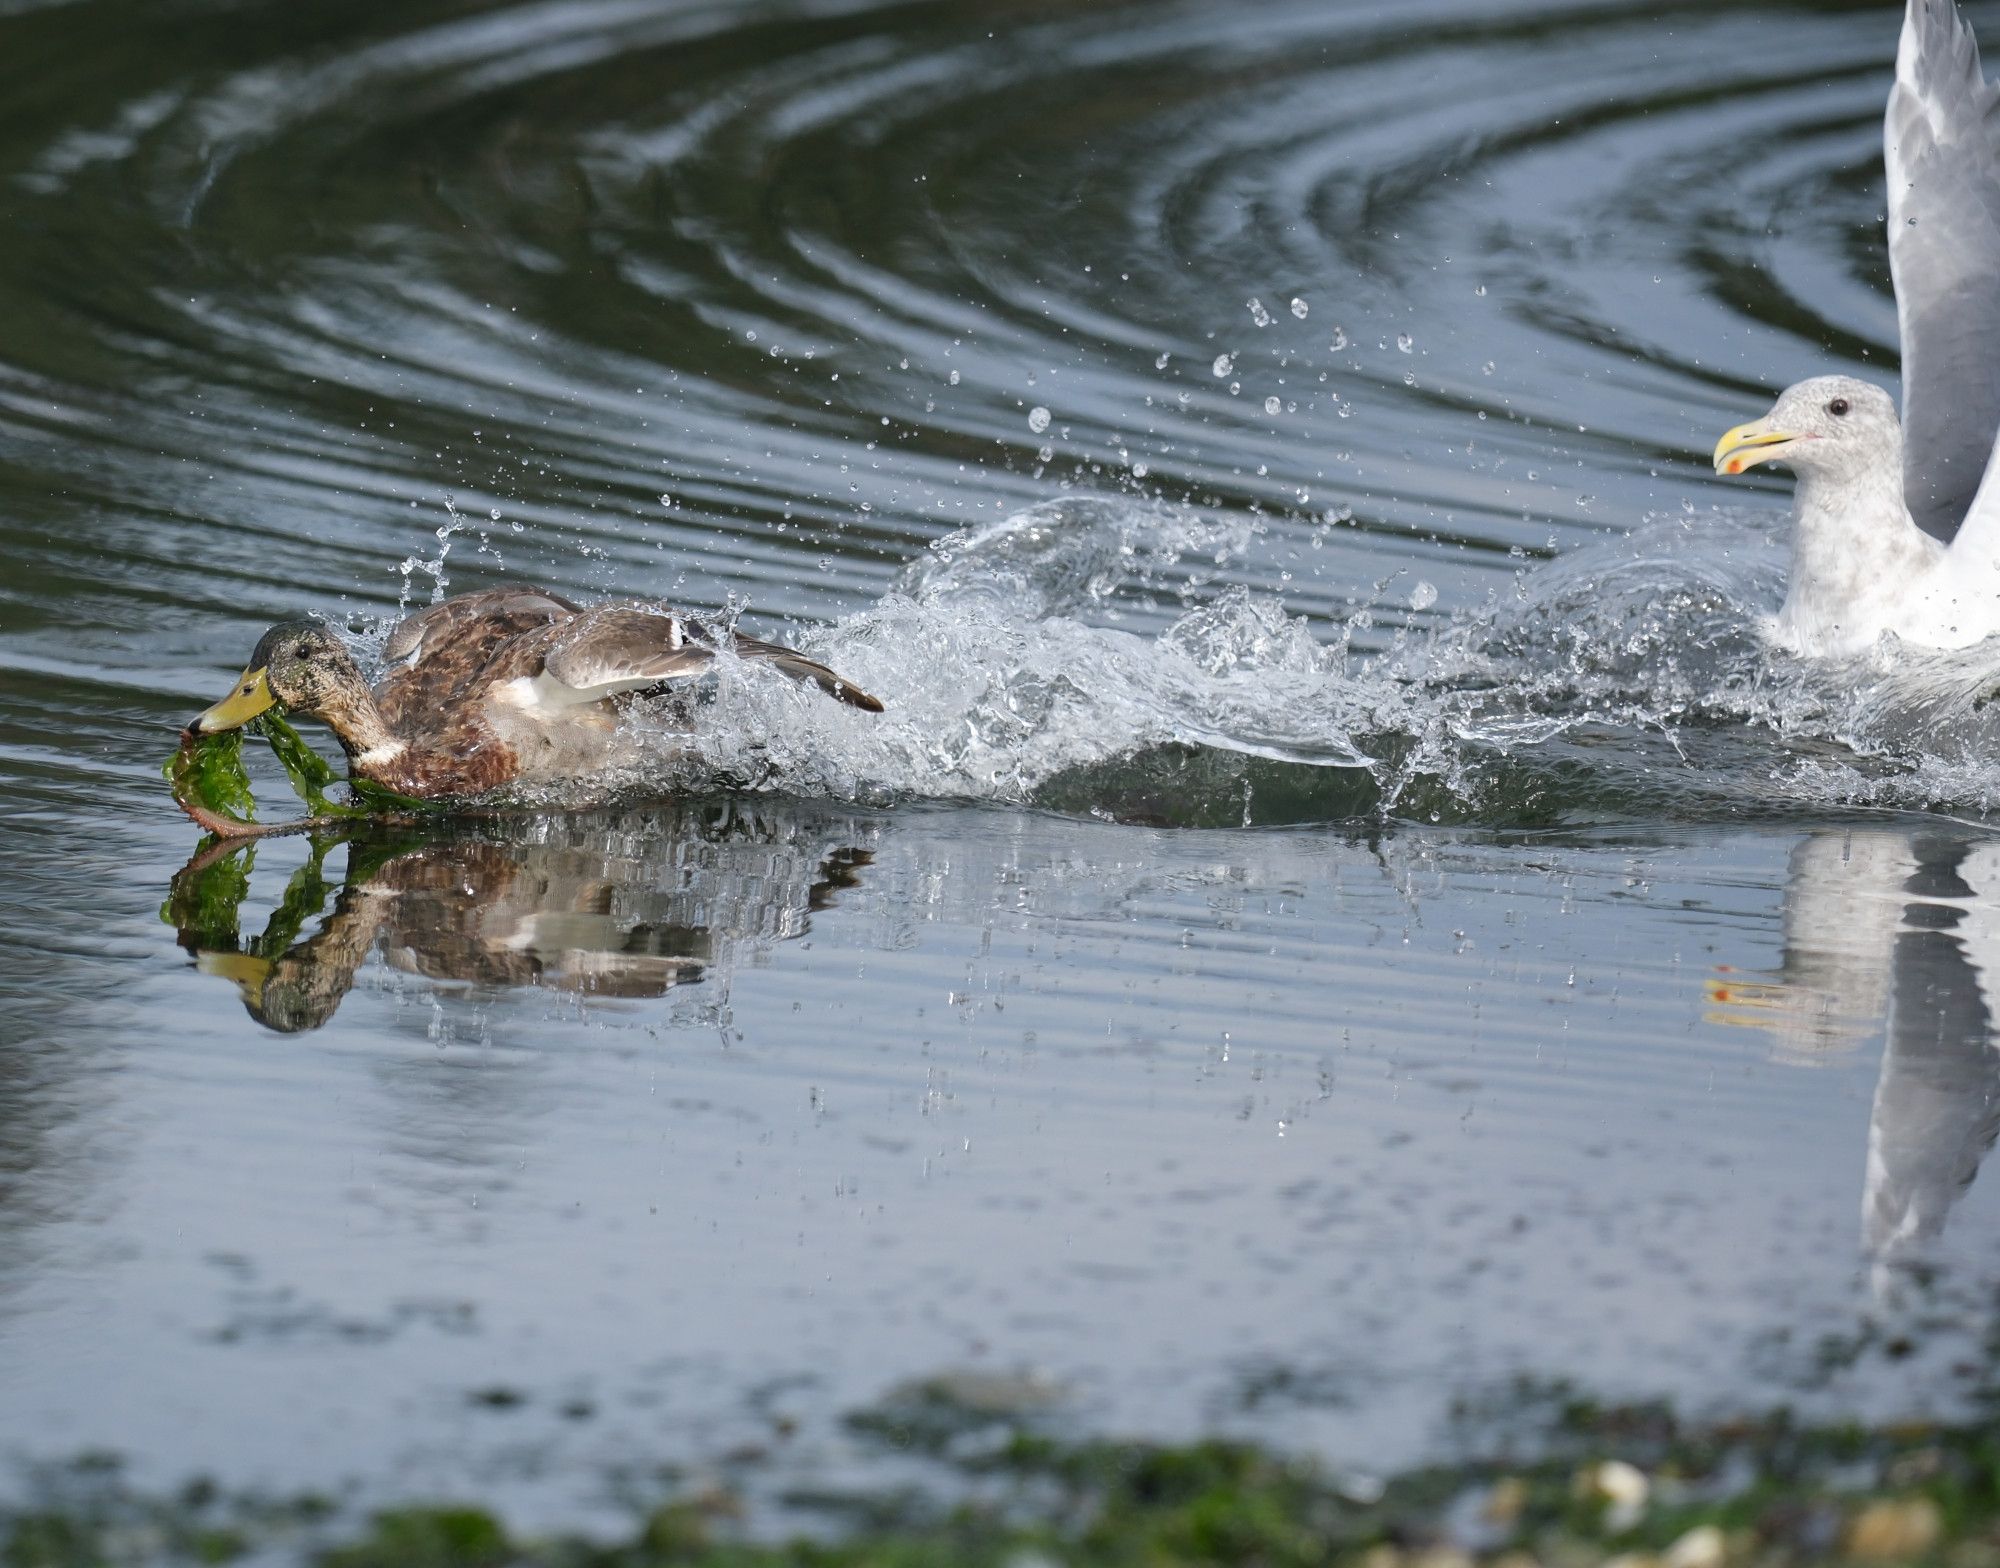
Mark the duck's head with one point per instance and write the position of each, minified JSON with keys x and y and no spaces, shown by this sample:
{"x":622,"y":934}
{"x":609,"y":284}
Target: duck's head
{"x":1828,"y":424}
{"x":300,"y":665}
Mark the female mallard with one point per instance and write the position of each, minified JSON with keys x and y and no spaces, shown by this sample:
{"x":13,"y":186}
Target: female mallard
{"x":488,"y":688}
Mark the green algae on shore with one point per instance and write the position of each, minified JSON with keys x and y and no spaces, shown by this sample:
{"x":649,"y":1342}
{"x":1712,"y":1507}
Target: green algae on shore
{"x":1629,"y":1486}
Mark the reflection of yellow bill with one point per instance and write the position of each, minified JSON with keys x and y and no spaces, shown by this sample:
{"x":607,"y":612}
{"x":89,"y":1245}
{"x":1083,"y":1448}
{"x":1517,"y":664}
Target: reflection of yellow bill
{"x":1745,"y":1004}
{"x":1801,"y":1016}
{"x":246,"y":969}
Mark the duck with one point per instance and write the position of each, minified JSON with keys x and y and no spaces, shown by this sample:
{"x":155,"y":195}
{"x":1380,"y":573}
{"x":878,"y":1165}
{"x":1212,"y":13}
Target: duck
{"x":507,"y":685}
{"x":1896,"y":521}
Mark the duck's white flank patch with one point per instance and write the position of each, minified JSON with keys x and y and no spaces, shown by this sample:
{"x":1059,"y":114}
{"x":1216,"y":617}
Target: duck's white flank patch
{"x":541,"y":692}
{"x":375,"y":756}
{"x":520,"y":692}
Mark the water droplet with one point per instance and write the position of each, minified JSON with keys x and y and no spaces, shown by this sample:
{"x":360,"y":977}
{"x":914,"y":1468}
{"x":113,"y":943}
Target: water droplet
{"x":1480,"y":291}
{"x":1423,"y":596}
{"x":666,"y":498}
{"x":1257,"y":311}
{"x":1161,"y":362}
{"x":1409,"y":378}
{"x":1139,"y":470}
{"x":1038,"y":419}
{"x":1339,"y":342}
{"x":1299,"y":307}
{"x":1272,"y":405}
{"x":953,"y":378}
{"x":1405,"y":342}
{"x":1224,"y":363}
{"x":1487,"y":368}
{"x":1046,"y":455}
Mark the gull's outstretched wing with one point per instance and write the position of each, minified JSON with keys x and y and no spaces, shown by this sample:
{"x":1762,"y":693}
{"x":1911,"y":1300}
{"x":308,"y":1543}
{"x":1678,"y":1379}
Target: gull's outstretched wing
{"x":1942,"y":147}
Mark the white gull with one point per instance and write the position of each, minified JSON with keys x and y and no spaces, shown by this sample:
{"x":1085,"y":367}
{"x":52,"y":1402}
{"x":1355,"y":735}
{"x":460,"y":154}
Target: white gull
{"x":1897,"y":525}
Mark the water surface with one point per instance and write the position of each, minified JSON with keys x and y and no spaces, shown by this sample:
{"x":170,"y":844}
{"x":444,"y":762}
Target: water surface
{"x":1342,"y":912}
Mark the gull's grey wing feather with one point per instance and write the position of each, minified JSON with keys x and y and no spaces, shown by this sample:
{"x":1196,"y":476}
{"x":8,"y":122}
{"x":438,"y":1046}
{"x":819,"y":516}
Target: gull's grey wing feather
{"x":627,"y":647}
{"x":1941,"y":140}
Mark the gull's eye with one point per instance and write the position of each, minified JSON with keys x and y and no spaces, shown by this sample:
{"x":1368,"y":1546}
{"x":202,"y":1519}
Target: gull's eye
{"x":1839,"y":407}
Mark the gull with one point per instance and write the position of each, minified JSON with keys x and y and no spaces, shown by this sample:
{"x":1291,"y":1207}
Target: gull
{"x":1896,"y":525}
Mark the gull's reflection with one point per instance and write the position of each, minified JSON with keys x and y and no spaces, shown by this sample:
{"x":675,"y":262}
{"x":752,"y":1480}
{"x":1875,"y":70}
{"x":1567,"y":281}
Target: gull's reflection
{"x":1898,"y":931}
{"x":624,"y":906}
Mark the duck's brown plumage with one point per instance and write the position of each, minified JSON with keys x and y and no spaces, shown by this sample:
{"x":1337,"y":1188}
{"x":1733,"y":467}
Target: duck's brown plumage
{"x":488,"y":688}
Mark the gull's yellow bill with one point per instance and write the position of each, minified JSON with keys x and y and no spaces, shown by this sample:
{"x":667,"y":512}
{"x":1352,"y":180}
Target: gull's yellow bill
{"x":1748,"y":445}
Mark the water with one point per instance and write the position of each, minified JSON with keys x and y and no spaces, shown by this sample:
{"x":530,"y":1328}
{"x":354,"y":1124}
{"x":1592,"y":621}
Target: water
{"x":1341,"y":912}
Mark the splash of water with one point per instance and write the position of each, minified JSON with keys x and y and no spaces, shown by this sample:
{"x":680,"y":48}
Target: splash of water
{"x":1629,"y":677}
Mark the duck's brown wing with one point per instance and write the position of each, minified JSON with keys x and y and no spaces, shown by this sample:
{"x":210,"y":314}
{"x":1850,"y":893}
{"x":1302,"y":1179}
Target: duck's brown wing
{"x":627,"y":647}
{"x":488,"y":617}
{"x":434,"y":658}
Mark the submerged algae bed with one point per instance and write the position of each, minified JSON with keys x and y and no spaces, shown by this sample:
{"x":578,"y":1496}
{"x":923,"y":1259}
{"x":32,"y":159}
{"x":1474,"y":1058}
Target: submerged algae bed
{"x":1628,"y":1484}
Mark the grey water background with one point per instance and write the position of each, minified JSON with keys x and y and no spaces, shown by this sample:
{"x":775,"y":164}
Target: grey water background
{"x":1340,"y":918}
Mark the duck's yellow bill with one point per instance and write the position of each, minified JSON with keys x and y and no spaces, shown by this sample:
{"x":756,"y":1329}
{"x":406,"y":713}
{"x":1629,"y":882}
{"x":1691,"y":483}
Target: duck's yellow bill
{"x":251,"y":697}
{"x":246,"y":969}
{"x":1748,"y":445}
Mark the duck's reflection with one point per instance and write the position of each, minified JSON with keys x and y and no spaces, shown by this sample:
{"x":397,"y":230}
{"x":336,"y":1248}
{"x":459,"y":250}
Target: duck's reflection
{"x":625,"y":906}
{"x":1898,"y":931}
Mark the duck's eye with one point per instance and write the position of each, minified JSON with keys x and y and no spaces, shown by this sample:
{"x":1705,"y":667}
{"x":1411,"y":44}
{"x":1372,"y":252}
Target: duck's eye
{"x":1839,"y":407}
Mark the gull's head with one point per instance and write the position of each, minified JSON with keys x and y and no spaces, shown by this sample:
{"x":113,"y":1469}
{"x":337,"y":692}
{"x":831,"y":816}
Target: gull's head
{"x":1829,"y":424}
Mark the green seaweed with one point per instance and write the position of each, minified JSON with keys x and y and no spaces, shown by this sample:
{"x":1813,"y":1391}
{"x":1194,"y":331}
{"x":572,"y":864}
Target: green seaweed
{"x":207,"y":771}
{"x":311,"y":774}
